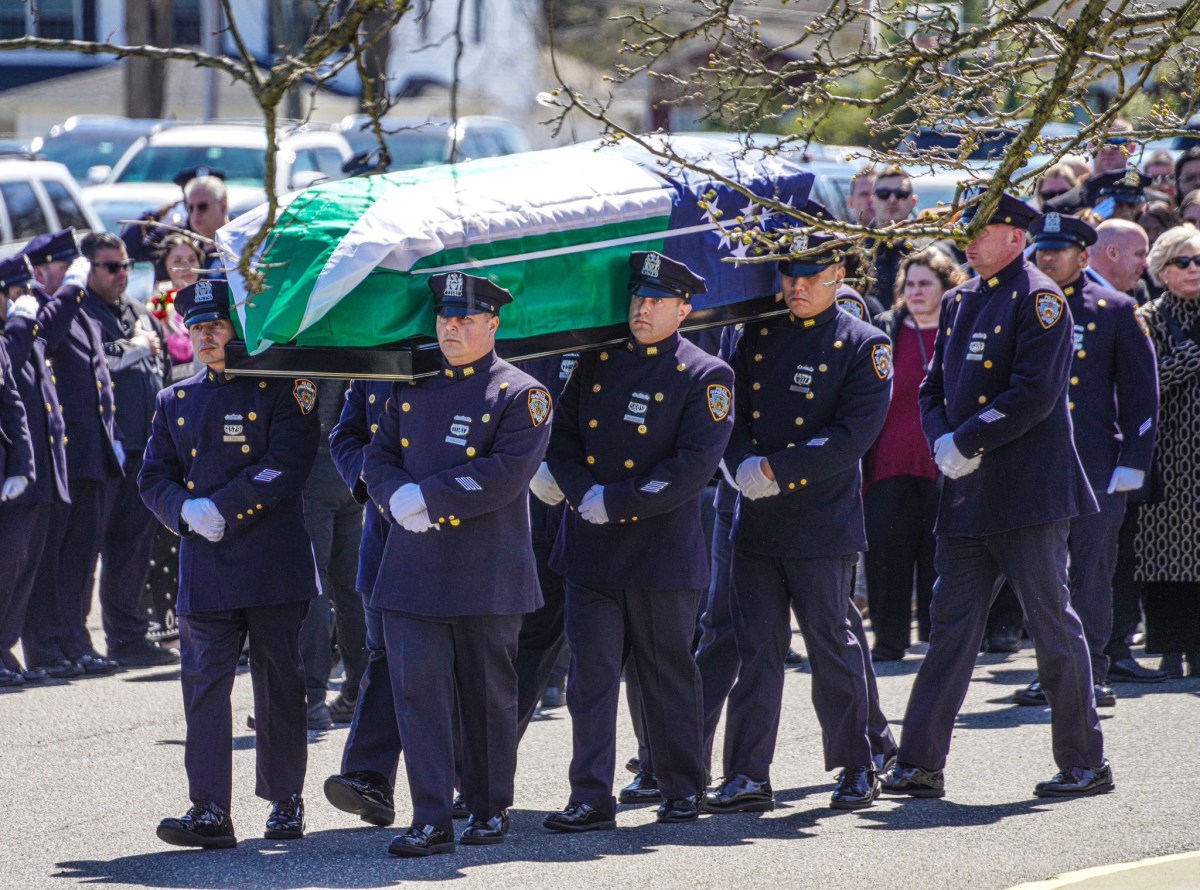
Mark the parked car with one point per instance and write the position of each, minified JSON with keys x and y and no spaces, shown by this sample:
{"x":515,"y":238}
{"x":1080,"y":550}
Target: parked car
{"x":420,"y":143}
{"x":38,"y":196}
{"x":91,"y":141}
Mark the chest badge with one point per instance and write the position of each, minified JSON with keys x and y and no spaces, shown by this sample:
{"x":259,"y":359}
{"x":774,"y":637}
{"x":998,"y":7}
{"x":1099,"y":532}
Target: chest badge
{"x":976,"y":347}
{"x":719,"y":400}
{"x":802,"y":379}
{"x":567,"y":365}
{"x":1049,"y":309}
{"x":1079,"y":329}
{"x":460,"y":428}
{"x":234,"y":431}
{"x":639,"y":404}
{"x":305,"y":393}
{"x":539,"y":406}
{"x":881,"y":359}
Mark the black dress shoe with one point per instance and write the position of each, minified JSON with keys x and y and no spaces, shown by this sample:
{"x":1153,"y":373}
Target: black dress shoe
{"x":857,"y":788}
{"x":634,"y":765}
{"x":286,"y":819}
{"x":459,"y":808}
{"x":1105,"y":697}
{"x":793,"y":658}
{"x":1078,"y":781}
{"x":96,"y":665}
{"x":904,"y":778}
{"x":1171,"y":665}
{"x":422,"y":840}
{"x":643,"y":789}
{"x":1032,"y":695}
{"x":579,"y":817}
{"x":62,"y":669}
{"x":143,"y":653}
{"x":1129,"y":671}
{"x":35,"y":675}
{"x":740,"y":794}
{"x":10,"y":678}
{"x":880,"y":654}
{"x":884,"y":762}
{"x":365,"y":793}
{"x":1003,"y":639}
{"x":205,"y":825}
{"x":685,"y":809}
{"x":486,"y":831}
{"x":341,"y":709}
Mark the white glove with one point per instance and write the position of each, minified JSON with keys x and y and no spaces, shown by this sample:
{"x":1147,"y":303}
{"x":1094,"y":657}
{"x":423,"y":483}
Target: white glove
{"x":752,"y":482}
{"x":591,"y":508}
{"x":406,"y":500}
{"x":1126,"y":479}
{"x":951,"y":461}
{"x":544,"y":488}
{"x":77,"y":273}
{"x":119,"y":451}
{"x":203,"y":517}
{"x":24,"y":307}
{"x":418,"y":522}
{"x":14,"y":487}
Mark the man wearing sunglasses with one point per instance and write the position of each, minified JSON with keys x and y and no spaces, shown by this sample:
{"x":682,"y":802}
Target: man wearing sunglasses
{"x":207,"y":204}
{"x":139,"y":368}
{"x":892,"y":202}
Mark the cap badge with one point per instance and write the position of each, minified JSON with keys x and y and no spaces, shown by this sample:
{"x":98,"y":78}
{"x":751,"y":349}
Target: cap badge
{"x":651,"y":265}
{"x":454,"y":284}
{"x":1052,"y":224}
{"x":203,"y":292}
{"x":800,"y":243}
{"x":1133,"y":179}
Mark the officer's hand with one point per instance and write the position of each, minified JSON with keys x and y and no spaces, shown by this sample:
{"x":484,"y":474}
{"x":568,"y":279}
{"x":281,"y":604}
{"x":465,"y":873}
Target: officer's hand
{"x":406,"y":500}
{"x":752,"y":482}
{"x":119,"y":451}
{"x":949,"y":459}
{"x":418,"y":522}
{"x":544,"y":487}
{"x":969,"y":467}
{"x":13,"y":487}
{"x":24,"y":307}
{"x":1126,"y":479}
{"x":203,"y":517}
{"x":77,"y":273}
{"x":591,"y":508}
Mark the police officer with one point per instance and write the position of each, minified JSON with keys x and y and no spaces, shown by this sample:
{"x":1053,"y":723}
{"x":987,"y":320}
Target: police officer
{"x":55,"y":635}
{"x":224,"y":469}
{"x":1114,"y":404}
{"x":994,"y":409}
{"x":812,"y":392}
{"x":449,"y":467}
{"x":639,"y":433}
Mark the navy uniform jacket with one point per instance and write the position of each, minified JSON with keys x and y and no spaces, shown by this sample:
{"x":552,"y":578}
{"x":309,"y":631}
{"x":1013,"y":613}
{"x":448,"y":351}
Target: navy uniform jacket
{"x":1113,"y":394}
{"x":650,"y":424}
{"x":248,"y":445}
{"x":36,"y":382}
{"x":553,"y":373}
{"x":998,"y":381}
{"x":361,"y":410}
{"x":472,"y":438}
{"x":811,"y":397}
{"x":85,"y":392}
{"x":16,"y":447}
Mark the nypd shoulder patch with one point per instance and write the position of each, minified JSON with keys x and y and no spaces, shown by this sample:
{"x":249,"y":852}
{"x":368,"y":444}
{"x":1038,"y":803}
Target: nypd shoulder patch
{"x":539,"y":406}
{"x":881,"y":360}
{"x":1049,"y":308}
{"x":304,"y":391}
{"x":719,"y":401}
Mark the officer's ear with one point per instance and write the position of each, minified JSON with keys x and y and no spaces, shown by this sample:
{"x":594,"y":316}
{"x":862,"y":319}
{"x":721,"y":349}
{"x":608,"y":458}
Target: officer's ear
{"x":493,"y":324}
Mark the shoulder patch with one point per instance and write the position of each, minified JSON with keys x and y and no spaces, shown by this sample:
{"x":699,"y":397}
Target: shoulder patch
{"x":851,"y":306}
{"x":1049,"y":308}
{"x":719,"y":400}
{"x":881,"y":360}
{"x":304,"y":391}
{"x":539,"y":406}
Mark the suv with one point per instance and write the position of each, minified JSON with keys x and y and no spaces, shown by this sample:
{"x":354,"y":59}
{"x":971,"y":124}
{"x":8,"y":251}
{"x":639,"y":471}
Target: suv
{"x":89,"y":144}
{"x":36,"y":197}
{"x":142,"y":179}
{"x":421,"y":143}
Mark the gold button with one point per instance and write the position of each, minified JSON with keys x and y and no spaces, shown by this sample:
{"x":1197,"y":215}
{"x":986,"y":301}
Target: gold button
{"x":789,"y":444}
{"x":374,"y":428}
{"x":245,"y":449}
{"x":757,"y":386}
{"x":193,"y":452}
{"x":97,"y":384}
{"x":1082,"y":353}
{"x":642,"y":429}
{"x":65,"y":440}
{"x":948,"y":331}
{"x":822,"y":367}
{"x":682,"y":366}
{"x":756,"y":415}
{"x":837,"y":344}
{"x":49,"y":408}
{"x":808,"y":395}
{"x":958,"y":298}
{"x":1101,"y":303}
{"x":487,"y":418}
{"x":593,"y":423}
{"x":262,"y":384}
{"x":249,"y":512}
{"x":404,"y":443}
{"x":1070,"y":406}
{"x":633,"y":519}
{"x":258,"y":506}
{"x":51,"y":440}
{"x":470,"y":452}
{"x":604,"y":356}
{"x":180,"y":421}
{"x":53,"y":379}
{"x":658,"y":397}
{"x":442,"y":520}
{"x":596,"y":387}
{"x":983,"y":400}
{"x":456,"y":522}
{"x":1074,"y":381}
{"x":179,"y":393}
{"x":240,"y":516}
{"x":191,"y":485}
{"x":804,"y":482}
{"x":791,"y":485}
{"x":998,"y":329}
{"x":763,"y":332}
{"x":371,"y":398}
{"x":628,"y":464}
{"x":503,"y":385}
{"x":406,"y":407}
{"x":591,"y":460}
{"x":799,"y":421}
{"x":621,"y":521}
{"x":252,"y":416}
{"x":101,"y":408}
{"x":987,"y":363}
{"x":758,"y":357}
{"x":1092,"y":324}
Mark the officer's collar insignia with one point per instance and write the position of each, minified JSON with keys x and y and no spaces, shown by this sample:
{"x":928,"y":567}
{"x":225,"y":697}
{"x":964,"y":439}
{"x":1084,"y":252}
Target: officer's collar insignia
{"x":1049,"y":309}
{"x":1051,"y":223}
{"x":539,"y":406}
{"x":719,"y":400}
{"x":851,"y":306}
{"x":993,"y":281}
{"x":809,"y":322}
{"x":304,"y":391}
{"x":454,"y":284}
{"x":652,"y":265}
{"x":203,"y":292}
{"x":881,"y":359}
{"x":468,"y":370}
{"x":1069,"y":291}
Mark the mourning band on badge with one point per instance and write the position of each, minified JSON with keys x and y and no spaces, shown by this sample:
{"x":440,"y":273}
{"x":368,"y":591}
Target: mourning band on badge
{"x":1142,"y":323}
{"x":881,"y":359}
{"x":719,"y":400}
{"x":539,"y":406}
{"x":305,"y":393}
{"x":1049,"y":309}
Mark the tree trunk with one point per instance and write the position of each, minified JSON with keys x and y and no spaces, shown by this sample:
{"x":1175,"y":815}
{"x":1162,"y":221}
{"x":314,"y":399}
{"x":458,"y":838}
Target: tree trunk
{"x":147,"y":22}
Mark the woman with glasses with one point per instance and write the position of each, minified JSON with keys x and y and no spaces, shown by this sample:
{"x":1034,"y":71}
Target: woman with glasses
{"x":1056,"y":181}
{"x":1156,"y":217}
{"x":1169,"y":526}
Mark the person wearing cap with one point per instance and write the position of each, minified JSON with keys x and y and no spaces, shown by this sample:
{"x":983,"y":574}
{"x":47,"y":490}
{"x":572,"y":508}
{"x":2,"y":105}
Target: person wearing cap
{"x":55,"y":636}
{"x":812,"y":391}
{"x":1113,"y":399}
{"x":448,"y":469}
{"x":206,"y":209}
{"x":225,"y":466}
{"x":638,"y":435}
{"x":27,"y":514}
{"x":1110,"y":160}
{"x":994,"y":411}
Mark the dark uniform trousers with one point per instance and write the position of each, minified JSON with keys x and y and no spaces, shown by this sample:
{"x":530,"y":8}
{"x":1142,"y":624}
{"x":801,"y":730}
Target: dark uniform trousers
{"x":653,"y":628}
{"x":483,"y":683}
{"x":210,"y":645}
{"x":716,"y":653}
{"x":373,"y":742}
{"x":541,"y":640}
{"x":23,"y":529}
{"x":818,"y":590}
{"x":129,"y":529}
{"x":1092,"y":549}
{"x":1127,"y":591}
{"x":1033,"y":560}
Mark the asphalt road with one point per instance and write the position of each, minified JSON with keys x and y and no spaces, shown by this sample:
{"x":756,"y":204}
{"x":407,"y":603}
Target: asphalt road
{"x":87,"y":769}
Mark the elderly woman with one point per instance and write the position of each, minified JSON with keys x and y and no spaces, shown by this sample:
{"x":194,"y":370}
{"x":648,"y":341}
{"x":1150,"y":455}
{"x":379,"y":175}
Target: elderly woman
{"x":899,"y":477}
{"x":1169,"y":526}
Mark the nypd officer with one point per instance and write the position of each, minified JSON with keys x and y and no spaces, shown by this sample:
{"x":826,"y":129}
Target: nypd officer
{"x":1114,"y":405}
{"x":812,"y":392}
{"x":224,"y":469}
{"x":638,"y":435}
{"x":449,"y":468}
{"x":994,"y":409}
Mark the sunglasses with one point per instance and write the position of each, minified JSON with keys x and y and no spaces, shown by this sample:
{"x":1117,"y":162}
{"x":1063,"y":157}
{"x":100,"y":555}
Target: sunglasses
{"x":1120,"y":140}
{"x":898,"y":194}
{"x":115,"y":266}
{"x":198,"y":207}
{"x":1047,"y":196}
{"x":1182,"y":262}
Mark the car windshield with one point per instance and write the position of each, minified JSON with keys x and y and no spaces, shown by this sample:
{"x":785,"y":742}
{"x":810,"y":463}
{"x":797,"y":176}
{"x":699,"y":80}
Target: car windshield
{"x":78,"y":153}
{"x":160,"y":163}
